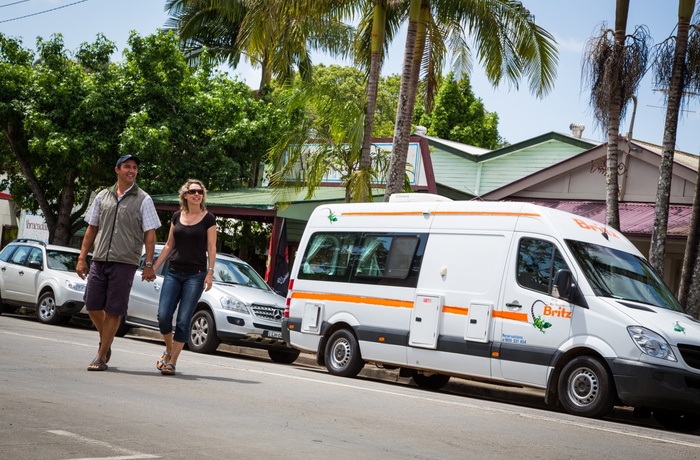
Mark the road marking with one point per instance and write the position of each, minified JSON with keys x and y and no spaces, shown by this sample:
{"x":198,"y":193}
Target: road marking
{"x":373,"y":390}
{"x":129,"y":454}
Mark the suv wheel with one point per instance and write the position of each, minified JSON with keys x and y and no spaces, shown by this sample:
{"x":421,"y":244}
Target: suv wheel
{"x":203,"y":338}
{"x":46,"y":311}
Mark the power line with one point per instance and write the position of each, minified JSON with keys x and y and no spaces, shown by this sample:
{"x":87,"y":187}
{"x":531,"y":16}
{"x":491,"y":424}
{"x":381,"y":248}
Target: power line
{"x":42,"y":12}
{"x":15,"y":3}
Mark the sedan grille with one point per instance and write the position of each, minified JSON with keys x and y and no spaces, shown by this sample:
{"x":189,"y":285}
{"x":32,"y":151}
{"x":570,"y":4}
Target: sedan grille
{"x":268,"y":312}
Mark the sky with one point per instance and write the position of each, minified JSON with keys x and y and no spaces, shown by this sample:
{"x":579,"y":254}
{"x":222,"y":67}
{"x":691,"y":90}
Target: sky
{"x":521,"y":115}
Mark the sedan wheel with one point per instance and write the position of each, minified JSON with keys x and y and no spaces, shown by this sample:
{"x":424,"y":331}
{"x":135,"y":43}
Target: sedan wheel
{"x":203,"y":337}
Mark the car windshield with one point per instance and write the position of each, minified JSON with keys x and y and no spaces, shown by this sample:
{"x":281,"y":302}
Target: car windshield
{"x":62,"y":260}
{"x":623,"y":276}
{"x":231,"y":272}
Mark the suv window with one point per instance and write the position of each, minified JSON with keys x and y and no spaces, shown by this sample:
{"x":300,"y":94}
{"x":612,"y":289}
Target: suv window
{"x":20,"y":255}
{"x":36,"y":256}
{"x":63,"y":260}
{"x":7,"y":252}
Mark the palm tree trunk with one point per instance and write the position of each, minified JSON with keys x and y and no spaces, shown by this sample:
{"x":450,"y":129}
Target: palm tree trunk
{"x":404,"y":112}
{"x":378,"y":37}
{"x":690,"y":258}
{"x":657,"y":251}
{"x":612,"y":205}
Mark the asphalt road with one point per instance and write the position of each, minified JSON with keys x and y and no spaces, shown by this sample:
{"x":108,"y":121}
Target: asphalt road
{"x":242,"y":405}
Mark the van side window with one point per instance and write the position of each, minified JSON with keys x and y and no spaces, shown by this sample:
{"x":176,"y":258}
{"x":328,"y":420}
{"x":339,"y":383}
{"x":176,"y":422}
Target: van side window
{"x":538,"y":262}
{"x":365,"y":258}
{"x":328,"y":256}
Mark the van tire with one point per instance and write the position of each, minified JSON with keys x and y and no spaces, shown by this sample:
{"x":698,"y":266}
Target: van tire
{"x":342,"y":354}
{"x":203,"y":335}
{"x":430,"y":381}
{"x":585,"y":388}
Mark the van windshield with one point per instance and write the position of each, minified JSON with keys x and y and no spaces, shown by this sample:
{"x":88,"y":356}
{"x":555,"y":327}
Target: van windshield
{"x":623,"y":276}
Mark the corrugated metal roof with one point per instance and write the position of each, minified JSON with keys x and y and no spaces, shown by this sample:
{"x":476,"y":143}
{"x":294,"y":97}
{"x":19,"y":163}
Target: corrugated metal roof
{"x":635,"y":218}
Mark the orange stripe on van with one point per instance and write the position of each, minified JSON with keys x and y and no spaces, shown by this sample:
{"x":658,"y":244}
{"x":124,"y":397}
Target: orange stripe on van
{"x":511,"y":315}
{"x":383,"y":213}
{"x":455,"y":310}
{"x":351,"y":299}
{"x":485,"y":213}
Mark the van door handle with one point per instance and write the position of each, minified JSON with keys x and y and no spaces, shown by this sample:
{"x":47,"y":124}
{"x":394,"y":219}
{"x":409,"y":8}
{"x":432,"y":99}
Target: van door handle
{"x":514,"y":304}
{"x":418,"y":320}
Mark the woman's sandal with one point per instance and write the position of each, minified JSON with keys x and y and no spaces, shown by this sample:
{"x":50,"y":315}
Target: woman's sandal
{"x":160,"y":364}
{"x":168,"y":369}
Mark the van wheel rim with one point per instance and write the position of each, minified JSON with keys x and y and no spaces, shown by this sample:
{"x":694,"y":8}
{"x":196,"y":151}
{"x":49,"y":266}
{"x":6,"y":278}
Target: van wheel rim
{"x":584,"y":387}
{"x":199,"y":333}
{"x":341,"y":354}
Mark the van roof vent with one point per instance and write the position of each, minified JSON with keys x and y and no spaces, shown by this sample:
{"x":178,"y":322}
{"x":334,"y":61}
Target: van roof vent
{"x":416,"y":197}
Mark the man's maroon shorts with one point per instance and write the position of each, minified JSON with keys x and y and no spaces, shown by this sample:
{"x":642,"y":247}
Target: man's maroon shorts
{"x":108,"y":287}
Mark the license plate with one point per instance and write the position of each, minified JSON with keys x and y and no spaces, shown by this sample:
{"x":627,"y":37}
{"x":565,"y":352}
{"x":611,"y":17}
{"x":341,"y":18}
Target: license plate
{"x":273,"y":334}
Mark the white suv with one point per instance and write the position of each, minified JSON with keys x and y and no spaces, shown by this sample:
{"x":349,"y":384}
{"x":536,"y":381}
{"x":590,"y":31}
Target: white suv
{"x":42,"y":278}
{"x":239,"y":309}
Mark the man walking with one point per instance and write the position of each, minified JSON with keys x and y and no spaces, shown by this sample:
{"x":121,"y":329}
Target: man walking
{"x":121,"y":220}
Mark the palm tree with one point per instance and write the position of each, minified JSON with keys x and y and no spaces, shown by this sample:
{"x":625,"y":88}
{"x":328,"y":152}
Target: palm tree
{"x":670,"y":69}
{"x":325,"y":137}
{"x":508,"y":43}
{"x":276,"y":36}
{"x":614,"y":65}
{"x":377,"y":28}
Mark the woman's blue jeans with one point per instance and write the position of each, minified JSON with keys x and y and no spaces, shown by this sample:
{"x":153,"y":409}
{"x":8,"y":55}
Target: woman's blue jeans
{"x":184,"y":288}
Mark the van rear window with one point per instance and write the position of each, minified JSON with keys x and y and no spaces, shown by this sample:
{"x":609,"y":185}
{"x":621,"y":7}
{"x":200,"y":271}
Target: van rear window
{"x":355,"y":257}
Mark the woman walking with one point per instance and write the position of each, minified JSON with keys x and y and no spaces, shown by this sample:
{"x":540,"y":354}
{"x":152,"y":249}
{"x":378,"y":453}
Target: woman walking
{"x":191,"y":249}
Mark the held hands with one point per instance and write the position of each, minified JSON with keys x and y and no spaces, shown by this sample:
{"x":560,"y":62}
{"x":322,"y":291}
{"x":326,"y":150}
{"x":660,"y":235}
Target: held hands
{"x":148,"y":274}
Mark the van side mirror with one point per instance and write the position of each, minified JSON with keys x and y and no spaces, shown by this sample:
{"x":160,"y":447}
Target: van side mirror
{"x":565,"y":288}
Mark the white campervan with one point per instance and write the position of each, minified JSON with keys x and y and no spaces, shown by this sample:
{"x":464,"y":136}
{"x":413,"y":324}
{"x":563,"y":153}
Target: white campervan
{"x":501,"y":291}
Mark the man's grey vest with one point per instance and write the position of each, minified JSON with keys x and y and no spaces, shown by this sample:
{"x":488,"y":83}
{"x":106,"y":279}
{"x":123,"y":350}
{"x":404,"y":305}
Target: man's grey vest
{"x":120,"y":235}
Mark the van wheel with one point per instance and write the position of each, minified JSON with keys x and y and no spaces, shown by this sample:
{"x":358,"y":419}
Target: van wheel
{"x":46,"y":311}
{"x":430,"y":381}
{"x":677,"y":420}
{"x":585,"y":388}
{"x":283,"y":356}
{"x":203,"y":336}
{"x":343,"y":354}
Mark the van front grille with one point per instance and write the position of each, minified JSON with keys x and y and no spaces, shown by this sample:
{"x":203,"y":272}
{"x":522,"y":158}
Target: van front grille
{"x":268,"y":312}
{"x":690,"y":354}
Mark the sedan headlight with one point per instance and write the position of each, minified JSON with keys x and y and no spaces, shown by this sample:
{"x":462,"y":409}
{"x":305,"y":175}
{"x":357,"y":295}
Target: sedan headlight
{"x":651,"y":343}
{"x":76,"y":286}
{"x":233,"y":304}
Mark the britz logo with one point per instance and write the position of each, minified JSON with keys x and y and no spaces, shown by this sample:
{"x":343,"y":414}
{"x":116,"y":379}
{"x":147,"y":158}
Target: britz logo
{"x":560,"y":312}
{"x":595,"y":228}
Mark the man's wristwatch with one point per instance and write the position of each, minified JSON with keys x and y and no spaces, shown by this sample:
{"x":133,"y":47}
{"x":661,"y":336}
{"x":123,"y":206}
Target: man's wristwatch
{"x":149,"y":264}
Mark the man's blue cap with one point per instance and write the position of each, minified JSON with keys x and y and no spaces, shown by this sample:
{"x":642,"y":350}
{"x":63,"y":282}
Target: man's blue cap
{"x":124,"y":158}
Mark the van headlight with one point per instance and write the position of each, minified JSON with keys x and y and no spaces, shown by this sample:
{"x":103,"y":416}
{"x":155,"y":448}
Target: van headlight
{"x":233,"y":304}
{"x":75,"y":285}
{"x":651,"y":343}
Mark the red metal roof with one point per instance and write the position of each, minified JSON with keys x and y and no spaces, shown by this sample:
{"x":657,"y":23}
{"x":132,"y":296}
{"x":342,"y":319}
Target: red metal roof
{"x":635,"y":218}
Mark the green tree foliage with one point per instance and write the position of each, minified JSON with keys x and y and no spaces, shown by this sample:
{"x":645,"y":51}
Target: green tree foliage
{"x":461,"y":117}
{"x":66,"y":118}
{"x":326,"y":136}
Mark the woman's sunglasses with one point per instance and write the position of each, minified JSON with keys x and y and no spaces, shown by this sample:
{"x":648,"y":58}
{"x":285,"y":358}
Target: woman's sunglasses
{"x":195,"y":191}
